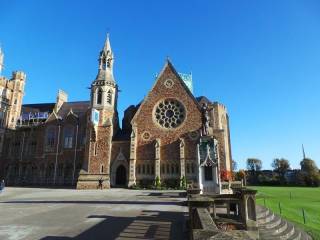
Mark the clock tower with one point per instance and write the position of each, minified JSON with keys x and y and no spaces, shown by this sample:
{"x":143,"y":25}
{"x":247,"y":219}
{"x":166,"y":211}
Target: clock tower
{"x":102,"y":125}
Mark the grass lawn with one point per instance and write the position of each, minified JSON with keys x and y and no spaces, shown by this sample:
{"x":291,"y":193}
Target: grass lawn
{"x":291,"y":209}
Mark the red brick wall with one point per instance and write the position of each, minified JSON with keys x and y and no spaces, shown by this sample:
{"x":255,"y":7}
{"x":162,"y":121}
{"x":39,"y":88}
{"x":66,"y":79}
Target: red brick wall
{"x":169,"y":138}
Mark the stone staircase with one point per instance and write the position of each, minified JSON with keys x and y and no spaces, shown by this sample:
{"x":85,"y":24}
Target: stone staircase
{"x":273,"y":227}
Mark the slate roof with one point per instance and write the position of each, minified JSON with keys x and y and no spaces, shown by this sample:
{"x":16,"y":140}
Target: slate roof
{"x":79,"y":108}
{"x":37,"y":107}
{"x":202,"y":99}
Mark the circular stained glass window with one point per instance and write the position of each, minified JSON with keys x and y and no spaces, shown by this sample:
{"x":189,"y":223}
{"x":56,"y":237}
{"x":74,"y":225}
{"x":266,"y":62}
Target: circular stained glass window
{"x":169,"y":113}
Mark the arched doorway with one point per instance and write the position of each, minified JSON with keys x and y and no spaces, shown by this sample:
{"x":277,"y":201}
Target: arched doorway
{"x":121,"y":176}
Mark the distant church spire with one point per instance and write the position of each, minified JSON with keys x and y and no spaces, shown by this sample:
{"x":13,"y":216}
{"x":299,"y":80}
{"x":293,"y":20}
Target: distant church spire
{"x":106,"y":62}
{"x":303,"y":152}
{"x":1,"y":60}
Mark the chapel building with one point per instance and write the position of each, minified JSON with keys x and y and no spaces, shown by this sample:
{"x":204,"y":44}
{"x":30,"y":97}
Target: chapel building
{"x":169,"y":136}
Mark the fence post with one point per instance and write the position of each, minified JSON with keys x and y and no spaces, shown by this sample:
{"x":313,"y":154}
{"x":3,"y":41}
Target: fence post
{"x":280,"y":208}
{"x":304,"y":216}
{"x":264,"y":201}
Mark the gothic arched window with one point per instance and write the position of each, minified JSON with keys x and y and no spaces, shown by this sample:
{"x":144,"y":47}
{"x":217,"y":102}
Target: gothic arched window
{"x":50,"y":138}
{"x":109,"y":97}
{"x":68,"y":136}
{"x":99,"y":96}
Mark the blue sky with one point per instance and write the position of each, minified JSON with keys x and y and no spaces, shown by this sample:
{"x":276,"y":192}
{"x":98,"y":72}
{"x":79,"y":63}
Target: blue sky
{"x":259,"y":58}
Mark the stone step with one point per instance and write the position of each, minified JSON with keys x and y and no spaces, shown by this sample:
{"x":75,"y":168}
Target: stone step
{"x":275,"y":231}
{"x":305,"y":236}
{"x":273,"y":227}
{"x":261,"y":211}
{"x":272,"y":224}
{"x":288,"y":232}
{"x":262,"y":214}
{"x":270,"y":237}
{"x":268,"y":218}
{"x":281,"y":227}
{"x":296,"y":235}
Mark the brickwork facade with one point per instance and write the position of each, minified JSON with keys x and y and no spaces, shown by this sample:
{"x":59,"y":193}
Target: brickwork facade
{"x":81,"y":143}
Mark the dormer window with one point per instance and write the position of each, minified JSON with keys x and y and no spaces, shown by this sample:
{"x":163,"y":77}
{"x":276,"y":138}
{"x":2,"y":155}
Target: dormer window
{"x":99,"y":96}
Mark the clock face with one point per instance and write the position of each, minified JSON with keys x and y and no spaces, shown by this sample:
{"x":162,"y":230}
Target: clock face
{"x":169,"y":113}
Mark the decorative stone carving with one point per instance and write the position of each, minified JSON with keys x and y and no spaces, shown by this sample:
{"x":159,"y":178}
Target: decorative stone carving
{"x":169,"y":83}
{"x":132,"y":163}
{"x":182,"y":157}
{"x":146,"y":136}
{"x":157,"y":157}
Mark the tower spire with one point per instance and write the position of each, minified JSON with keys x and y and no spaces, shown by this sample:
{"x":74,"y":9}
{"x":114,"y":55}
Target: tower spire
{"x":303,"y":152}
{"x":106,"y":62}
{"x":107,"y":45}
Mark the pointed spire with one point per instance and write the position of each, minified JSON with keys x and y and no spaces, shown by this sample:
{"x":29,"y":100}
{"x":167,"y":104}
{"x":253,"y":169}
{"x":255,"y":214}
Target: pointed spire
{"x":106,"y":62}
{"x":303,"y":152}
{"x":107,"y":45}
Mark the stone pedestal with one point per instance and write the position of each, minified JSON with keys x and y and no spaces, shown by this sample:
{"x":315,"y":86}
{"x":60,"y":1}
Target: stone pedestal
{"x":132,"y":173}
{"x":248,"y":208}
{"x":157,"y":166}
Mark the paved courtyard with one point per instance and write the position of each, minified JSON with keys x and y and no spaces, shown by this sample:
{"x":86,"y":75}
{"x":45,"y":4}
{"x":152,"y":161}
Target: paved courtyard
{"x":60,"y":214}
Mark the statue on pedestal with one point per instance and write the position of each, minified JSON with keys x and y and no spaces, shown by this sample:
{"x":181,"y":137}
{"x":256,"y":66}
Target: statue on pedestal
{"x":205,"y":119}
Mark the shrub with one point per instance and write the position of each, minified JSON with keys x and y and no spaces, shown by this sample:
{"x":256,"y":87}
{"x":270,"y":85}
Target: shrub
{"x":171,"y":183}
{"x":157,"y":183}
{"x":146,"y":183}
{"x":183,"y":183}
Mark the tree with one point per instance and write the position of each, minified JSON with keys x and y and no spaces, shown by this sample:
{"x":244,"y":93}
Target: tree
{"x":310,"y":172}
{"x":254,"y":164}
{"x":281,"y":166}
{"x":308,"y":165}
{"x":241,"y":175}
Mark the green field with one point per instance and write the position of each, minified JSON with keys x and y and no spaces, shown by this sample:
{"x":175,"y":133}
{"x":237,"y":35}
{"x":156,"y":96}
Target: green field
{"x":291,"y":209}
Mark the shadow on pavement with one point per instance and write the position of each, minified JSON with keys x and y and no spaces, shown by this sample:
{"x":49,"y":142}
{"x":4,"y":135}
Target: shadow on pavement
{"x":97,"y":202}
{"x":165,"y":194}
{"x":149,"y":225}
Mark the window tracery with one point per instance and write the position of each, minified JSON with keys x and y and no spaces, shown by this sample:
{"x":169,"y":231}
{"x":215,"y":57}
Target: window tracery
{"x":169,"y":113}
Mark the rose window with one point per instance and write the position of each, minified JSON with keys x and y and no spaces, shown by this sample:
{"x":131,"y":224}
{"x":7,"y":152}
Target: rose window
{"x":169,"y":113}
{"x":169,"y":83}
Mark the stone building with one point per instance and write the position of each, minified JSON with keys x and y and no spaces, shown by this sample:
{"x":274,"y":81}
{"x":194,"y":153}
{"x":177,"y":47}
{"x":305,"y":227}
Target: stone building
{"x":11,"y":96}
{"x":169,"y":136}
